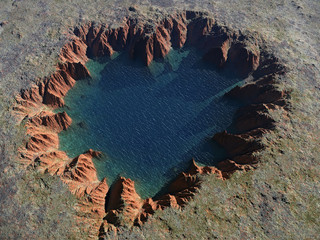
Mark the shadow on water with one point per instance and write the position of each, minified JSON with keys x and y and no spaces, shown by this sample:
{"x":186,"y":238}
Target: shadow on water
{"x":107,"y":198}
{"x":117,"y":77}
{"x":149,"y":121}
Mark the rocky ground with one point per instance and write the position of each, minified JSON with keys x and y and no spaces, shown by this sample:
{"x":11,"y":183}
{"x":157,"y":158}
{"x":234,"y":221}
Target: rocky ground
{"x":280,"y":199}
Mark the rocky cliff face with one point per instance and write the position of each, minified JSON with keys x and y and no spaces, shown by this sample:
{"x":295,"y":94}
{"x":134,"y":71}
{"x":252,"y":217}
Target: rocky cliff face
{"x":224,"y":48}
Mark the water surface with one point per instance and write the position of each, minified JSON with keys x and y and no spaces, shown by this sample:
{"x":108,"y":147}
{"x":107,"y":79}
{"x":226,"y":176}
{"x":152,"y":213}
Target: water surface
{"x":148,"y":121}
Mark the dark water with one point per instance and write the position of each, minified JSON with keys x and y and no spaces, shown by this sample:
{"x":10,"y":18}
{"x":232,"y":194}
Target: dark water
{"x":148,"y":122}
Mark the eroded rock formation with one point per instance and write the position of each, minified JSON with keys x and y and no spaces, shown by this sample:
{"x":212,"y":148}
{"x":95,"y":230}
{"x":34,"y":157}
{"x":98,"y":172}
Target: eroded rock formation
{"x":224,"y":48}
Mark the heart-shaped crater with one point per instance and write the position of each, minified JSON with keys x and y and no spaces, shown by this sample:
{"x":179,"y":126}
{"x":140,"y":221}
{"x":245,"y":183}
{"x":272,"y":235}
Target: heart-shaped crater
{"x":149,"y":121}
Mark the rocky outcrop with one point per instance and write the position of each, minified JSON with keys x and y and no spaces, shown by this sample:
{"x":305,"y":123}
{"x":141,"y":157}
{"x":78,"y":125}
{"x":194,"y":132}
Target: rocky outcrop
{"x":253,"y":120}
{"x":42,"y":142}
{"x":121,"y":205}
{"x":243,"y":58}
{"x":49,"y":120}
{"x":51,"y":90}
{"x":81,"y":168}
{"x":52,"y":162}
{"x":80,"y":175}
{"x":222,"y":46}
{"x":123,"y":200}
{"x":255,"y":116}
{"x":43,"y":129}
{"x":125,"y":207}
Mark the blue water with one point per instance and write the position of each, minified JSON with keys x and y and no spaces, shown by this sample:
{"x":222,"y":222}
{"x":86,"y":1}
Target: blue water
{"x":148,"y":121}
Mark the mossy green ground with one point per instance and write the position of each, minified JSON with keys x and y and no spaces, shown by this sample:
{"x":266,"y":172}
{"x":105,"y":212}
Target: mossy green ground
{"x":279,"y":200}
